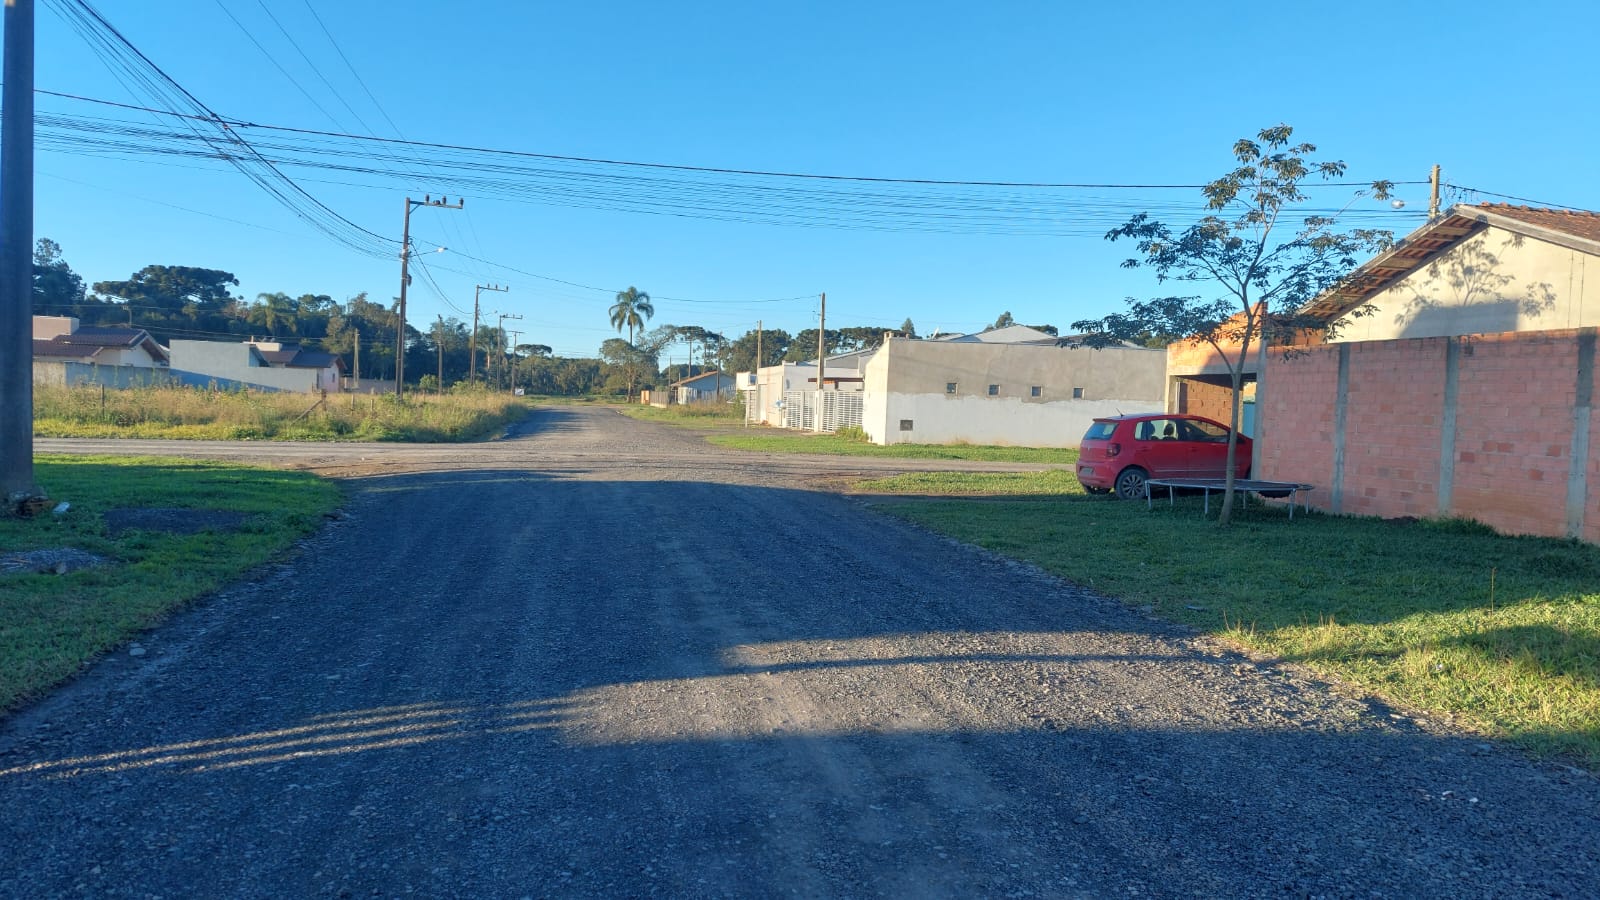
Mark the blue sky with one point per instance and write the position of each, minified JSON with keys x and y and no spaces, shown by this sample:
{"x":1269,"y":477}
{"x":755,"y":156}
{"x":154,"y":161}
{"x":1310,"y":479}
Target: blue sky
{"x":1150,"y":93}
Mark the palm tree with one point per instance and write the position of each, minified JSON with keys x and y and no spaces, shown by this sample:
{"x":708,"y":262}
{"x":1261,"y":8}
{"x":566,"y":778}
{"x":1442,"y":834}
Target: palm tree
{"x":275,"y":310}
{"x":632,"y":309}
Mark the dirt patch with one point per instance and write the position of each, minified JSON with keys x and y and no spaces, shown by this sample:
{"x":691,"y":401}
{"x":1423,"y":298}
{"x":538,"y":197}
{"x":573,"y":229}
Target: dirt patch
{"x":172,"y":520}
{"x":57,"y":561}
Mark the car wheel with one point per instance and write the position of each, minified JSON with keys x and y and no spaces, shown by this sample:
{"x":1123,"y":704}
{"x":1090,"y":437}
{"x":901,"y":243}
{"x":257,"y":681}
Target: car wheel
{"x":1130,"y":484}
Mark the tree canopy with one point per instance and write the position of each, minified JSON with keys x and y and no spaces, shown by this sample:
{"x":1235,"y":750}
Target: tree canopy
{"x":1259,"y":263}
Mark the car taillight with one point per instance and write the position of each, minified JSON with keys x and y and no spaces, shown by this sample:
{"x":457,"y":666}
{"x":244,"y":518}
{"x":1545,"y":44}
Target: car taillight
{"x":1113,"y":449}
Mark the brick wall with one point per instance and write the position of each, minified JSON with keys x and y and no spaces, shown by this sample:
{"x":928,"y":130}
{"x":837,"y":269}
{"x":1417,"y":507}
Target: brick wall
{"x":1515,"y":395}
{"x":1200,"y":398}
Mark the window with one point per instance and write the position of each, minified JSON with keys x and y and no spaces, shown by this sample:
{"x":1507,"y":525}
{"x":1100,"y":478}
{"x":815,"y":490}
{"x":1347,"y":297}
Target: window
{"x":1204,"y":431}
{"x":994,"y":390}
{"x":949,"y":387}
{"x":1077,"y":393}
{"x":905,"y":424}
{"x":1036,"y":391}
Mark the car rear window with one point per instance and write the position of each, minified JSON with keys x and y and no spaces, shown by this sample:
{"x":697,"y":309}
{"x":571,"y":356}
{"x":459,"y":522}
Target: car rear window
{"x":1100,"y":431}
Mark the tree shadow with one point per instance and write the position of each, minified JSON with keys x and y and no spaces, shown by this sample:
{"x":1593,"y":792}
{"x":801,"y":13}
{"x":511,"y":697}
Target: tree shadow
{"x":1468,"y":291}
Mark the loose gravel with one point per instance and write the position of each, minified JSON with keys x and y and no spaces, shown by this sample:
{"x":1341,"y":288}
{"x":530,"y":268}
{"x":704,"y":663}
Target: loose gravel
{"x":600,"y":658}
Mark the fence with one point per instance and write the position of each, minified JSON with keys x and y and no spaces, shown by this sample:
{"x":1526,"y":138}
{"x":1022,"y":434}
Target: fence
{"x":839,"y":410}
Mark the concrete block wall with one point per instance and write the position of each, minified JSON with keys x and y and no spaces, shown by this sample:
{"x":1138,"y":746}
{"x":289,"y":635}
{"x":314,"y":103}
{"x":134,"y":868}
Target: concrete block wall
{"x":1201,"y":398}
{"x":1496,"y":428}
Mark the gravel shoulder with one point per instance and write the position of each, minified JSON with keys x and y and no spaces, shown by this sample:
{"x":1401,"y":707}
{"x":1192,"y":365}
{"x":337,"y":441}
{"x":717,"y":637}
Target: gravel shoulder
{"x":601,"y":657}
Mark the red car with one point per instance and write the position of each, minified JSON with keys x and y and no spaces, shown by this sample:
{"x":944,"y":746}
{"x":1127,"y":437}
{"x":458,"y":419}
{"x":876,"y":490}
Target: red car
{"x":1120,"y":453}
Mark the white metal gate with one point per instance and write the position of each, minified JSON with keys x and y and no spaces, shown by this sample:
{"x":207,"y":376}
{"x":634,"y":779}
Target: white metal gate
{"x":839,"y":410}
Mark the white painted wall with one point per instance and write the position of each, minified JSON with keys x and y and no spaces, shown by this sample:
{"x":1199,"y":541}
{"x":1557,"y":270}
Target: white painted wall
{"x":1004,"y":421}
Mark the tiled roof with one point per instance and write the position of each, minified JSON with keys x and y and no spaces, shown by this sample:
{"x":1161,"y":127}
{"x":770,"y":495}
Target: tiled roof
{"x":103,"y":336}
{"x":1577,"y":223}
{"x":54,"y":349}
{"x":1456,"y":224}
{"x":298,"y":358}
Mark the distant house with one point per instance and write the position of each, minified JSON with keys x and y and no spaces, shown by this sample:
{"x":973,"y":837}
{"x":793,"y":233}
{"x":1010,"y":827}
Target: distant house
{"x":263,"y":365}
{"x":1013,"y":385}
{"x":706,"y":387}
{"x":66,"y":353}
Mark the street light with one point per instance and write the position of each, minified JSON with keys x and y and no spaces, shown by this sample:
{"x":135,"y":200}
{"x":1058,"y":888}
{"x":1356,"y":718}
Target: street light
{"x":405,"y":281}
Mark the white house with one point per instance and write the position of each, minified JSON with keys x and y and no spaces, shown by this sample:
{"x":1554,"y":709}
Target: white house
{"x":267,"y":365}
{"x":1015,"y":385}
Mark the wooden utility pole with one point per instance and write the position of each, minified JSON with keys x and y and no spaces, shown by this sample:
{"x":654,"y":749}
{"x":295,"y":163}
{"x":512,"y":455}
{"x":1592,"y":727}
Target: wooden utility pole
{"x":405,"y":281}
{"x":472,"y":369}
{"x":822,"y":354}
{"x":1433,"y":195}
{"x":17,"y":486}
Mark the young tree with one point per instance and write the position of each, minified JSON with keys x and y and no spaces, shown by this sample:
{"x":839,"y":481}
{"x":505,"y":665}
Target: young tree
{"x":1261,"y":262}
{"x":908,"y":329}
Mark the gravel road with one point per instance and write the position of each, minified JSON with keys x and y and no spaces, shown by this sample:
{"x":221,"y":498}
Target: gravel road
{"x":600,"y":658}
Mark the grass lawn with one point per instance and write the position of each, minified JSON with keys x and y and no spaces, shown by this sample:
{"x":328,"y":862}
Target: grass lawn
{"x":769,"y":441}
{"x":51,"y":625}
{"x":693,"y":415}
{"x":198,"y":414}
{"x":1499,"y":634}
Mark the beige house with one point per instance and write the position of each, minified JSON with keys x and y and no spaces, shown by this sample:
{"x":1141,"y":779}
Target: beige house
{"x":66,"y":353}
{"x":1483,"y":269}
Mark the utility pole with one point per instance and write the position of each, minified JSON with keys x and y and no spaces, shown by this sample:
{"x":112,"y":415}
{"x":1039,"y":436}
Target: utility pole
{"x":438,"y":344}
{"x":358,"y":358}
{"x":822,"y":354}
{"x":757,"y":369}
{"x":17,"y":487}
{"x":501,"y":336}
{"x":1433,"y":195}
{"x":511,"y":377}
{"x":472,"y":371}
{"x":405,"y":281}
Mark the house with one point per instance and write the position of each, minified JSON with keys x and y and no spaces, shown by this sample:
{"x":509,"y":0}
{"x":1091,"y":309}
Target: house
{"x":262,"y":365}
{"x":1013,"y":385}
{"x":66,"y":353}
{"x":1458,"y":380}
{"x":706,"y":387}
{"x":1024,"y":388}
{"x":781,"y":395}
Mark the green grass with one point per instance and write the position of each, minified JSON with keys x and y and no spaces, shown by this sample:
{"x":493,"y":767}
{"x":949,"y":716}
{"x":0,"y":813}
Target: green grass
{"x":764,"y":441}
{"x":51,"y":625}
{"x":1052,"y":482}
{"x":694,"y":415}
{"x":199,"y":414}
{"x":1499,"y":634}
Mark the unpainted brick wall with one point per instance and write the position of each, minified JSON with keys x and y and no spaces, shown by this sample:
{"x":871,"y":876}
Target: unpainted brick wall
{"x":1515,"y":394}
{"x":1200,"y":398}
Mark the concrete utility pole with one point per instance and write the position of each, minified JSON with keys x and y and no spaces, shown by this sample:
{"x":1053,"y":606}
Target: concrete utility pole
{"x":438,"y":344}
{"x":472,"y":351}
{"x":1433,"y":194}
{"x":822,"y":354}
{"x":511,"y":378}
{"x":501,"y":331}
{"x":358,"y":357}
{"x":757,"y":369}
{"x":405,"y":281}
{"x":16,"y":262}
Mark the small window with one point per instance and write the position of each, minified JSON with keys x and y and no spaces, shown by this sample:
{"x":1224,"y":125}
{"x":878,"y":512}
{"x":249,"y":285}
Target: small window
{"x":905,"y":424}
{"x":994,"y":390}
{"x":1036,"y":391}
{"x":949,"y":387}
{"x":1077,"y":393}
